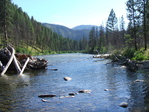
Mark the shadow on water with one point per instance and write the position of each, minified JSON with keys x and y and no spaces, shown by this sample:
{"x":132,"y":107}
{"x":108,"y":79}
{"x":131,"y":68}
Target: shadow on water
{"x":109,"y":84}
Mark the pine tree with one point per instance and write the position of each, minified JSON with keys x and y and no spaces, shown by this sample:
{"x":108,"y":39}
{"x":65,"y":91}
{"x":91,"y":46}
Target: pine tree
{"x":133,"y":7}
{"x":5,"y":17}
{"x":92,"y":39}
{"x":122,"y":31}
{"x":111,"y":28}
{"x":101,"y":40}
{"x":145,"y":20}
{"x":112,"y":22}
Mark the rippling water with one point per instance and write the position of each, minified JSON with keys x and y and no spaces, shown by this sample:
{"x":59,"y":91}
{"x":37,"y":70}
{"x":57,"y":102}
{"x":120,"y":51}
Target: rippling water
{"x":20,"y":93}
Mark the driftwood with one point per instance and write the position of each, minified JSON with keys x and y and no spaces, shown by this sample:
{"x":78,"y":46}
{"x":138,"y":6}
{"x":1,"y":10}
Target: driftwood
{"x":9,"y":61}
{"x":24,"y":66}
{"x":121,"y":60}
{"x":102,"y":56}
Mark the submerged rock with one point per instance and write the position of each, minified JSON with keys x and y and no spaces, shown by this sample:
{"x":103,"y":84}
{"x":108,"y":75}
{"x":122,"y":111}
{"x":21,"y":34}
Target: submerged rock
{"x":138,"y":80}
{"x":72,"y":94}
{"x":106,"y":89}
{"x":67,"y":78}
{"x":67,"y":96}
{"x":123,"y":104}
{"x":43,"y":100}
{"x":46,"y":95}
{"x":54,"y":69}
{"x":84,"y":91}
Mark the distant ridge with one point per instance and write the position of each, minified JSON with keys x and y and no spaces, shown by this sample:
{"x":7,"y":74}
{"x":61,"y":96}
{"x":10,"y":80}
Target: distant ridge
{"x":81,"y":27}
{"x":76,"y":33}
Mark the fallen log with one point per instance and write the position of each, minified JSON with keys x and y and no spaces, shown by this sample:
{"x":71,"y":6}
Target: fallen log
{"x":17,"y":65}
{"x":9,"y":61}
{"x":15,"y":60}
{"x":102,"y":56}
{"x":121,"y":60}
{"x":24,"y":66}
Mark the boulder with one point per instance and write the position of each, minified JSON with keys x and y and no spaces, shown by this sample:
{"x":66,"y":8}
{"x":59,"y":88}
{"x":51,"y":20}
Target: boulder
{"x":72,"y":94}
{"x":67,"y":78}
{"x":84,"y":91}
{"x":123,"y":104}
{"x":47,"y":95}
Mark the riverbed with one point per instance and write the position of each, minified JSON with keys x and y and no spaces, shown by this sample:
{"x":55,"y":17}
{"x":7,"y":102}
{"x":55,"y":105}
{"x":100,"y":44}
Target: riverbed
{"x":110,"y":85}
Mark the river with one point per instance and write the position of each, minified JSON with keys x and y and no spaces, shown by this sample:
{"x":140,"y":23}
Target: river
{"x":110,"y":85}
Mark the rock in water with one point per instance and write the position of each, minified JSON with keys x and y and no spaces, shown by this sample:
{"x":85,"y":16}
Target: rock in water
{"x":84,"y":91}
{"x":123,"y":104}
{"x":44,"y":100}
{"x":54,"y":69}
{"x":67,"y":78}
{"x":106,"y":89}
{"x":139,"y":80}
{"x":72,"y":94}
{"x":46,"y":95}
{"x":67,"y":96}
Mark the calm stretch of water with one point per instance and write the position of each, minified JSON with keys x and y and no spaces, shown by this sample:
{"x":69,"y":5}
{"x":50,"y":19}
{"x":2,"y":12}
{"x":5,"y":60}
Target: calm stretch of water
{"x":20,"y":93}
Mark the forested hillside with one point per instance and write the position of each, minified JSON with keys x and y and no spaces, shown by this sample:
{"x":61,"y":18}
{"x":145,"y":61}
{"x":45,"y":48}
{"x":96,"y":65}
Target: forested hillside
{"x":26,"y":34}
{"x":74,"y":33}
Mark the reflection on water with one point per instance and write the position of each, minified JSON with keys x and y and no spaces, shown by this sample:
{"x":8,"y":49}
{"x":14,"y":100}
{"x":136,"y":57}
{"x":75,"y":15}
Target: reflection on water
{"x":20,"y":93}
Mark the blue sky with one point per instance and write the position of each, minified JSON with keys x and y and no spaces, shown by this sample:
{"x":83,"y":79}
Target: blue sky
{"x":71,"y":13}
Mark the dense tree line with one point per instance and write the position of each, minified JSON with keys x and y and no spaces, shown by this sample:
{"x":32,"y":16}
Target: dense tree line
{"x":18,"y":29}
{"x":116,"y":36}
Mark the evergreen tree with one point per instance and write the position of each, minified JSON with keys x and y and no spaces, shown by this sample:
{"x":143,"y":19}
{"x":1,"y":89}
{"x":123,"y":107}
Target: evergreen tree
{"x":92,"y":39}
{"x":133,"y":7}
{"x":111,"y":28}
{"x":112,"y":22}
{"x":122,"y":31}
{"x":145,"y":16}
{"x":5,"y":17}
{"x":102,"y":40}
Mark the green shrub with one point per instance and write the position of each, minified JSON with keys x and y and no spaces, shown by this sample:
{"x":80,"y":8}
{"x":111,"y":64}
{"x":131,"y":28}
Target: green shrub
{"x":129,"y":53}
{"x":22,"y":50}
{"x":141,"y":55}
{"x":138,"y":56}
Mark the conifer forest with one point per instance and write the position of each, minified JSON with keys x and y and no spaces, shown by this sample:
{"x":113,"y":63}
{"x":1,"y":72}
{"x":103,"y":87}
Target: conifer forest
{"x":27,"y":34}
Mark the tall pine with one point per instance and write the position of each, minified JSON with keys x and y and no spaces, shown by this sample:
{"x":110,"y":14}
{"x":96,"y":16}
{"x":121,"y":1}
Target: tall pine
{"x":5,"y":17}
{"x":111,"y":28}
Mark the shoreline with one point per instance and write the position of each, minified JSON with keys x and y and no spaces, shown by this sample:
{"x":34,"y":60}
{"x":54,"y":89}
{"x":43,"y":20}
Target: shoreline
{"x":122,"y":60}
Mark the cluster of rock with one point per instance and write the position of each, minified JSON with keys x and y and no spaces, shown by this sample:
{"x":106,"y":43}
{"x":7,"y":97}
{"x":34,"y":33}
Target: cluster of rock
{"x":70,"y":95}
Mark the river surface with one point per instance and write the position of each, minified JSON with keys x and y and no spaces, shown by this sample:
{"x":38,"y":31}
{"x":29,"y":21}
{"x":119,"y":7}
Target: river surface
{"x":110,"y":85}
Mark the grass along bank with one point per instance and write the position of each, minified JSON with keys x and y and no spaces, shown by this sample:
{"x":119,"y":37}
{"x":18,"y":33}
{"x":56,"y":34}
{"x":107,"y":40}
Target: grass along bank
{"x":132,"y":54}
{"x":37,"y":51}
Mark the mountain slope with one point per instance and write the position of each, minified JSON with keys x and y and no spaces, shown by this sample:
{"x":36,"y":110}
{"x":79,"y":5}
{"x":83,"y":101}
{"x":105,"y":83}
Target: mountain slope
{"x":75,"y":33}
{"x":81,"y":27}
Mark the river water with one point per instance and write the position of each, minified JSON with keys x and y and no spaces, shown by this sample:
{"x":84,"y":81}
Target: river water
{"x":110,"y":85}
